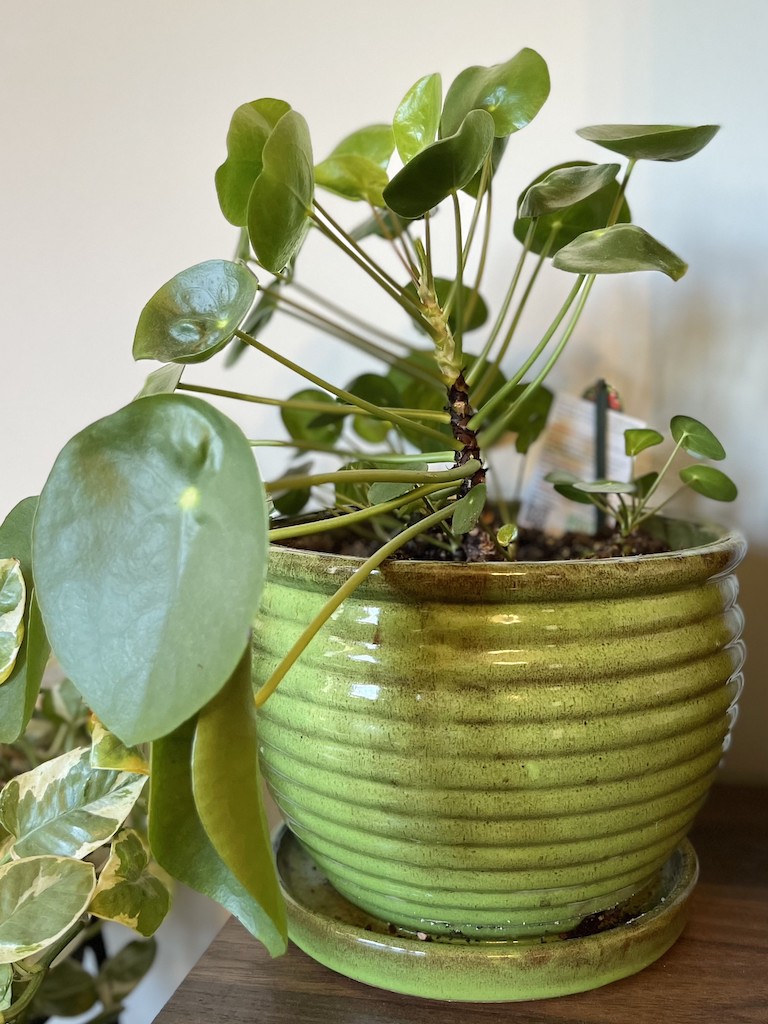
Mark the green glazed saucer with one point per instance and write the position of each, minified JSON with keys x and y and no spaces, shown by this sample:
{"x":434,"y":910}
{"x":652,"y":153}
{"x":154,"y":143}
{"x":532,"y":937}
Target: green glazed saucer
{"x":335,"y":933}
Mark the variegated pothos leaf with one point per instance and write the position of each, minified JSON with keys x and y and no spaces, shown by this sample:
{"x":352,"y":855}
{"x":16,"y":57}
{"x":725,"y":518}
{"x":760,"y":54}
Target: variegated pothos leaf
{"x":131,"y":889}
{"x":12,"y":600}
{"x":107,"y":751}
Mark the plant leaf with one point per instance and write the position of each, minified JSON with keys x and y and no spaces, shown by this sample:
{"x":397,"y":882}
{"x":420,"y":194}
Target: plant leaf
{"x":353,"y":177}
{"x":558,"y":228}
{"x":122,"y":972}
{"x":565,"y":484}
{"x":67,"y":991}
{"x":644,"y":483}
{"x":695,"y":438}
{"x":6,"y":986}
{"x":130,"y":889}
{"x":441,"y":168}
{"x":513,"y":93}
{"x":564,"y":186}
{"x":637,"y":440}
{"x":382,"y":491}
{"x":182,"y":846}
{"x":604,"y":487}
{"x":251,"y":125}
{"x":531,"y":418}
{"x":13,"y":594}
{"x":467,"y":511}
{"x":162,"y":381}
{"x":66,"y":808}
{"x":377,"y":390}
{"x":308,"y":424}
{"x":19,"y":692}
{"x":40,"y":899}
{"x":375,"y":142}
{"x":281,"y":197}
{"x":196,"y":313}
{"x":710,"y":482}
{"x":107,"y":751}
{"x":417,"y":118}
{"x":154,"y":518}
{"x":667,"y":142}
{"x":621,"y":249}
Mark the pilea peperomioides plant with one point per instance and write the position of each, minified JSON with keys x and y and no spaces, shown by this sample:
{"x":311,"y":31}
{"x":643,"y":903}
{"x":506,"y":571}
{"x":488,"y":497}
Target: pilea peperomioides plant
{"x":150,"y":539}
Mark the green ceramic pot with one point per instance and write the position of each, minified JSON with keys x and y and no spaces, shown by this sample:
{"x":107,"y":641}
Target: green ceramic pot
{"x":499,"y":751}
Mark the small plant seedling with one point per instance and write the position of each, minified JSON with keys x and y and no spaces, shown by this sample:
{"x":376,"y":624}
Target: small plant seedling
{"x":628,"y":504}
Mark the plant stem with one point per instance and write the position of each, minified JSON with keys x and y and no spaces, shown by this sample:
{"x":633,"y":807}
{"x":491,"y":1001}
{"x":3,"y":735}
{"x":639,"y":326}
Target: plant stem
{"x":372,"y":476}
{"x":616,"y":208}
{"x":457,"y":293}
{"x":38,"y":972}
{"x":344,"y":591}
{"x":346,"y":396}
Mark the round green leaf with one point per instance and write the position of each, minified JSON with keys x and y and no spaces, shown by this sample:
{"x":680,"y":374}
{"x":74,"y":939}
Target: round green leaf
{"x":67,"y":991}
{"x":667,"y":142}
{"x":710,"y":482}
{"x":353,"y":177}
{"x":695,"y":438}
{"x":564,"y":186}
{"x":637,"y":440}
{"x":561,"y":226}
{"x":513,"y":93}
{"x":418,"y":117}
{"x":467,"y":510}
{"x":150,"y":547}
{"x":251,"y":125}
{"x":621,"y":249}
{"x":40,"y":899}
{"x":375,"y":142}
{"x":162,"y":381}
{"x":441,"y":168}
{"x":307,"y":424}
{"x":196,"y":313}
{"x":281,"y":198}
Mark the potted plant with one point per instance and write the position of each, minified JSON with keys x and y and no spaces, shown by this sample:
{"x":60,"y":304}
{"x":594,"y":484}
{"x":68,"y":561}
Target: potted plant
{"x":496,"y":761}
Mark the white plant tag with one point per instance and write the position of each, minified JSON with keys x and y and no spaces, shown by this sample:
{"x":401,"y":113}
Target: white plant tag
{"x":568,"y":443}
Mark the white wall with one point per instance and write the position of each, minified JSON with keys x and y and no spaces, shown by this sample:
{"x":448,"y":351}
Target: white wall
{"x":113,"y":117}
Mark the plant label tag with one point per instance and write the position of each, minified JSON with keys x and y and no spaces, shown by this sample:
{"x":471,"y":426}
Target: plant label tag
{"x":568,"y":443}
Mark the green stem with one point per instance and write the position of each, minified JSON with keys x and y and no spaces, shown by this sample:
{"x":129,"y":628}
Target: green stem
{"x":475,"y":294}
{"x":344,"y":591}
{"x":458,"y":293}
{"x":512,"y":383}
{"x":638,"y":519}
{"x":346,"y":396}
{"x":350,"y":243}
{"x":655,"y":485}
{"x":352,"y":518}
{"x":616,"y":208}
{"x":340,"y":311}
{"x":372,"y":476}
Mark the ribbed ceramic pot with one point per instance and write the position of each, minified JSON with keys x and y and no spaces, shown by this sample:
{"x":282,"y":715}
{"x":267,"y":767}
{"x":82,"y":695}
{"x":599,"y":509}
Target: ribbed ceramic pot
{"x":498,"y":751}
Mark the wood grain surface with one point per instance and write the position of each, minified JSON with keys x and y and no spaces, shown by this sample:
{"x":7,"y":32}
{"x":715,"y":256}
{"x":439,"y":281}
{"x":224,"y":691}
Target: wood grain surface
{"x":717,"y":973}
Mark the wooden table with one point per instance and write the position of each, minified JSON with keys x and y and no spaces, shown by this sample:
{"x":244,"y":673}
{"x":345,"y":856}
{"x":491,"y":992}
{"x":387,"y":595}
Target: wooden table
{"x":717,"y":973}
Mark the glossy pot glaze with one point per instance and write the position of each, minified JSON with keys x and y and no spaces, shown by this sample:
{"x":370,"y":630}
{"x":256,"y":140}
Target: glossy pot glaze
{"x":500,"y":750}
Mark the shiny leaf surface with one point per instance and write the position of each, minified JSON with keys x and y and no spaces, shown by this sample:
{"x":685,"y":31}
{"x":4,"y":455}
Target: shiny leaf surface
{"x":40,"y":899}
{"x":621,"y":249}
{"x":353,"y":177}
{"x":417,"y":118}
{"x":636,"y":441}
{"x":513,"y":93}
{"x":442,"y":168}
{"x":696,"y":439}
{"x":710,"y":482}
{"x":13,"y":597}
{"x":251,"y":125}
{"x":564,"y":186}
{"x":162,"y":381}
{"x":107,"y":751}
{"x":154,"y":518}
{"x":667,"y":142}
{"x":65,"y":807}
{"x":196,"y":313}
{"x":281,"y":198}
{"x":375,"y":143}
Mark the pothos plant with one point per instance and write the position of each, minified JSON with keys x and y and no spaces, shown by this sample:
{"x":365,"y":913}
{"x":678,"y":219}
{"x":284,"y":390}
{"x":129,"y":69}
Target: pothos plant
{"x":149,"y":542}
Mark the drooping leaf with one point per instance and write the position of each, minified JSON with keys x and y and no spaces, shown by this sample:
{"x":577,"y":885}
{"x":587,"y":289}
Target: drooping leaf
{"x":513,"y":93}
{"x":637,"y":440}
{"x":308,"y":424}
{"x":122,"y":972}
{"x":154,"y":518}
{"x":281,"y":198}
{"x":162,"y":381}
{"x":474,"y":306}
{"x":13,"y":598}
{"x":130,"y":889}
{"x":621,"y":249}
{"x":710,"y":482}
{"x":196,"y":313}
{"x":67,"y":991}
{"x":556,"y":229}
{"x":40,"y":899}
{"x":442,"y":168}
{"x":107,"y":751}
{"x":696,"y":439}
{"x":564,"y":186}
{"x":66,"y":808}
{"x":417,"y":118}
{"x":251,"y":125}
{"x":182,"y":844}
{"x":467,"y":511}
{"x":667,"y":142}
